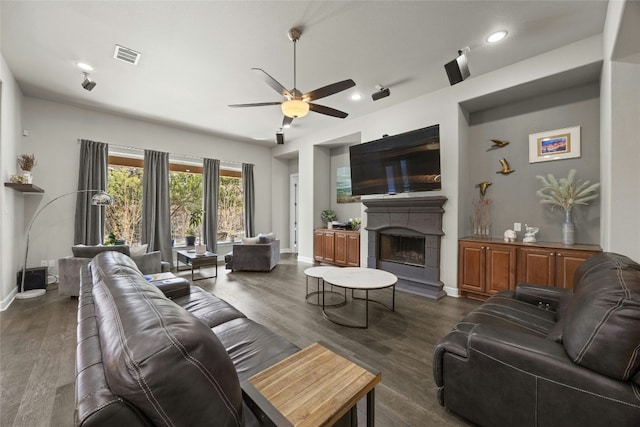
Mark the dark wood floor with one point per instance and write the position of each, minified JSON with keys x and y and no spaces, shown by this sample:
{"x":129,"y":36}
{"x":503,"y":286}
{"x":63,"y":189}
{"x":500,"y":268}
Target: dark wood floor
{"x":37,"y":345}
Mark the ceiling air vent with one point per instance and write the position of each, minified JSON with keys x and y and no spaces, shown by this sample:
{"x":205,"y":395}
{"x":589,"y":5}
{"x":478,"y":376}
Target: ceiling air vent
{"x":127,"y":55}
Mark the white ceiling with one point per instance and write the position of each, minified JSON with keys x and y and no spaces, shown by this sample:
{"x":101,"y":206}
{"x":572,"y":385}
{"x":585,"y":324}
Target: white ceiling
{"x":197,"y":56}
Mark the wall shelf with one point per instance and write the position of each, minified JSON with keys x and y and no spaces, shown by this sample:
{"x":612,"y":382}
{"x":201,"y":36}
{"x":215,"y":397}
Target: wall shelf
{"x":24,"y":188}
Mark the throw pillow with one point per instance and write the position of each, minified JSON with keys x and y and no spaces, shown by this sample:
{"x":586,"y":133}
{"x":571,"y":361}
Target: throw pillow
{"x":137,"y":250}
{"x":249,"y":240}
{"x":266,"y":237}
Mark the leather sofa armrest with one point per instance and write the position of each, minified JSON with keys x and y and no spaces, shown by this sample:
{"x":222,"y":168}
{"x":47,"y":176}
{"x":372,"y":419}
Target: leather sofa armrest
{"x":456,"y":343}
{"x":546,"y":297}
{"x":173,"y":288}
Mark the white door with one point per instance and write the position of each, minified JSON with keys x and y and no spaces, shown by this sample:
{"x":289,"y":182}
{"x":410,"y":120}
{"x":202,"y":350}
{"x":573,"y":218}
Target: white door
{"x":293,"y":212}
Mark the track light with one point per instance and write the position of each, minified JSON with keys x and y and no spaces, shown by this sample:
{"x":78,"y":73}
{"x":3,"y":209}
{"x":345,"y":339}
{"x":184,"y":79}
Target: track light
{"x":457,"y":69}
{"x":382,"y":92}
{"x":280,"y":137}
{"x":87,"y":83}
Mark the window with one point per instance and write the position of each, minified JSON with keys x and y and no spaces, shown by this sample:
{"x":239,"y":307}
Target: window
{"x":124,"y":219}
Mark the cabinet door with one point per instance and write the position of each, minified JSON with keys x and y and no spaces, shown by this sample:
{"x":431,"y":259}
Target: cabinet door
{"x":327,"y":246}
{"x":318,"y":243}
{"x":567,"y":261}
{"x":501,"y":268}
{"x":340,"y":245}
{"x":353,"y":249}
{"x":471,"y":266}
{"x":537,"y":265}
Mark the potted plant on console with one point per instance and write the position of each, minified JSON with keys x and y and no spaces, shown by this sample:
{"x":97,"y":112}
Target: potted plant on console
{"x":328,"y":216}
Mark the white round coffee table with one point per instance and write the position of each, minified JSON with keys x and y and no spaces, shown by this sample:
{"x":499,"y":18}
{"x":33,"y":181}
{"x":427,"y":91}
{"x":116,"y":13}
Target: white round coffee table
{"x":360,"y":279}
{"x":317,"y":273}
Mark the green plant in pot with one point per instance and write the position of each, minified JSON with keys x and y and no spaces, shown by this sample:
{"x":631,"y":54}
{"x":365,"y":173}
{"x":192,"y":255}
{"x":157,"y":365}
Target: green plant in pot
{"x":328,"y":216}
{"x":195,"y":221}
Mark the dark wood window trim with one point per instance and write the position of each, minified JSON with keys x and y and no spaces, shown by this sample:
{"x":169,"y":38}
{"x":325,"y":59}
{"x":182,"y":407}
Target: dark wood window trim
{"x":173,"y":167}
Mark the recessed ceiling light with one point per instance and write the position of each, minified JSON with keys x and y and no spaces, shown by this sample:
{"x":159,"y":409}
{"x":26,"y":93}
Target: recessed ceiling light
{"x":356,"y":97}
{"x":497,"y":36}
{"x":84,"y":66}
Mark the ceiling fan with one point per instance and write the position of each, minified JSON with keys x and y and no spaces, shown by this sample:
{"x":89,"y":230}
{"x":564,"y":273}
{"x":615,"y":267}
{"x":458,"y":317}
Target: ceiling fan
{"x":297,"y":104}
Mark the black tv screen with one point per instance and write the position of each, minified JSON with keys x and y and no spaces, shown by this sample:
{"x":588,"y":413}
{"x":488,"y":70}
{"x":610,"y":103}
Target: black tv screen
{"x":397,"y":164}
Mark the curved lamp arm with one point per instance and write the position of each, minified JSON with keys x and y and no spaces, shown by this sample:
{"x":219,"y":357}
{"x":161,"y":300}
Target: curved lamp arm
{"x":26,"y":252}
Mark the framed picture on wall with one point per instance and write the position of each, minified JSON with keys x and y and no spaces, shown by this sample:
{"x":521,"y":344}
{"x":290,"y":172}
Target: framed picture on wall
{"x":343,"y":186}
{"x":556,"y":144}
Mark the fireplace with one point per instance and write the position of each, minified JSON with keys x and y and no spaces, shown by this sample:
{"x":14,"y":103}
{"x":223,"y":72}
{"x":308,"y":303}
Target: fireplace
{"x":401,"y":249}
{"x":404,"y":239}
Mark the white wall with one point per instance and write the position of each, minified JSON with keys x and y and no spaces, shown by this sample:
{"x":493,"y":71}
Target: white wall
{"x":11,"y":202}
{"x":440,"y":107}
{"x":620,"y":132}
{"x":344,"y":211}
{"x":54,"y":129}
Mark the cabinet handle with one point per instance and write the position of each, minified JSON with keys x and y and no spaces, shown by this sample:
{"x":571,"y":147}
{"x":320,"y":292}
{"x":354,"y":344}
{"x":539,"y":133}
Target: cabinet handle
{"x":481,"y":248}
{"x":559,"y":254}
{"x":551,"y":254}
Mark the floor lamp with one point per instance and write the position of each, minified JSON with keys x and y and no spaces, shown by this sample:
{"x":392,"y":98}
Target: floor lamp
{"x":100,"y":199}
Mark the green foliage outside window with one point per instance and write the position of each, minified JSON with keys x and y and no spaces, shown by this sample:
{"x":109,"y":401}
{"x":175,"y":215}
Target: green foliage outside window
{"x":124,"y":219}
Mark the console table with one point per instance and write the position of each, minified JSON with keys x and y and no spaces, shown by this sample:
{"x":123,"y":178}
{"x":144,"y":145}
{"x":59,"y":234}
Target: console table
{"x":313,"y":387}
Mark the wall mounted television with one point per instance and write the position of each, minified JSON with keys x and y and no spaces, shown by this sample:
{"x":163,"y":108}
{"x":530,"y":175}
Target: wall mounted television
{"x":401,"y":163}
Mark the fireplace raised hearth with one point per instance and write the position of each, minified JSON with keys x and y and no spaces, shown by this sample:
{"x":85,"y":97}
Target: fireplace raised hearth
{"x":404,"y":239}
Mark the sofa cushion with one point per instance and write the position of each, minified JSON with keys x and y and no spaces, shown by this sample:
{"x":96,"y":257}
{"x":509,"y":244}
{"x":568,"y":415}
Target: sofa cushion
{"x":207,"y":308}
{"x":82,"y":251}
{"x":601,"y":325}
{"x":148,"y":343}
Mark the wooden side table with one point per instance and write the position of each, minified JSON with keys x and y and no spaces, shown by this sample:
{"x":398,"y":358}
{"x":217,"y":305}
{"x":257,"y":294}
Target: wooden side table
{"x":313,"y":387}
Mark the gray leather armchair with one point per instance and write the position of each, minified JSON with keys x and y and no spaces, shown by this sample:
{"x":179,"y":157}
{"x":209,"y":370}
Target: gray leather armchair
{"x":542,"y":356}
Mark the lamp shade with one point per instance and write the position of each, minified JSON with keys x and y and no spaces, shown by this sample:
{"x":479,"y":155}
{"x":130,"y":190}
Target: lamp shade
{"x":102,"y":199}
{"x":295,"y":108}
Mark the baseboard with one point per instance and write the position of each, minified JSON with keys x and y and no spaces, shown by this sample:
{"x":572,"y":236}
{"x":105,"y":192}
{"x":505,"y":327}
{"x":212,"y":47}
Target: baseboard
{"x":306,"y":260}
{"x":451,"y":292}
{"x":5,"y":303}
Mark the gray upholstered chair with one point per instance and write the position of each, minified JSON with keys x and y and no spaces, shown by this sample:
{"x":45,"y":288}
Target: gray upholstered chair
{"x":260,"y":253}
{"x":69,"y":267}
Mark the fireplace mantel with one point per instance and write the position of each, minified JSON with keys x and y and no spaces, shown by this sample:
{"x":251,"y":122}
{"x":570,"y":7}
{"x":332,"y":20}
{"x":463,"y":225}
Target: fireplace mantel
{"x":417,"y":215}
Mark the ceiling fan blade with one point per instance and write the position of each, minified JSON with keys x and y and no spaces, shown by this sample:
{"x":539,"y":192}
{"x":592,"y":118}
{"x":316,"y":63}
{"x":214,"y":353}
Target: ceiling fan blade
{"x":255,"y":104}
{"x":327,"y":110}
{"x":273,"y":83}
{"x":329,"y":90}
{"x":286,"y":121}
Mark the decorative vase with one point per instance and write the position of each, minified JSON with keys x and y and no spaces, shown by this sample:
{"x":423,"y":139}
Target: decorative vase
{"x":28,"y":178}
{"x":568,"y":229}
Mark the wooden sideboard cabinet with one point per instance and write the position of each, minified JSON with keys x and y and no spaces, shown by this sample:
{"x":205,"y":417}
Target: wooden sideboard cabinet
{"x":337,"y":247}
{"x":487,"y":266}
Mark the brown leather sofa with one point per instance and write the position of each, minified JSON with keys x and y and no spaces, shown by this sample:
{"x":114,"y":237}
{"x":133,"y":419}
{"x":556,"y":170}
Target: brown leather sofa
{"x":144,"y":359}
{"x":543,"y":356}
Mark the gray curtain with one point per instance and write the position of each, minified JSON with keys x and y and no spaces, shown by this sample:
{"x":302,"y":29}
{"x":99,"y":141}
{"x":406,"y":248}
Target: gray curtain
{"x":88,"y":228}
{"x":156,"y":218}
{"x":211,"y":185}
{"x":249,"y":199}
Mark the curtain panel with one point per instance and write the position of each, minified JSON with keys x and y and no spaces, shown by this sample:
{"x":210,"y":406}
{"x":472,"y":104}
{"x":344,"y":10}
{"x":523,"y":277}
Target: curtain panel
{"x":92,"y":175}
{"x":156,"y":217}
{"x":211,"y":189}
{"x":249,"y":199}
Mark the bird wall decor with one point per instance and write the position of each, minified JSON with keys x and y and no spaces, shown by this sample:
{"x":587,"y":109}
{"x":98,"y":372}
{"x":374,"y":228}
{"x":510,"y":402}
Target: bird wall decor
{"x":506,"y":169}
{"x":483,"y":187}
{"x":497,"y":144}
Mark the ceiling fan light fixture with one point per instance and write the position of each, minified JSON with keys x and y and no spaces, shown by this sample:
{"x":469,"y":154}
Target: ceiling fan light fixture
{"x":295,"y":108}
